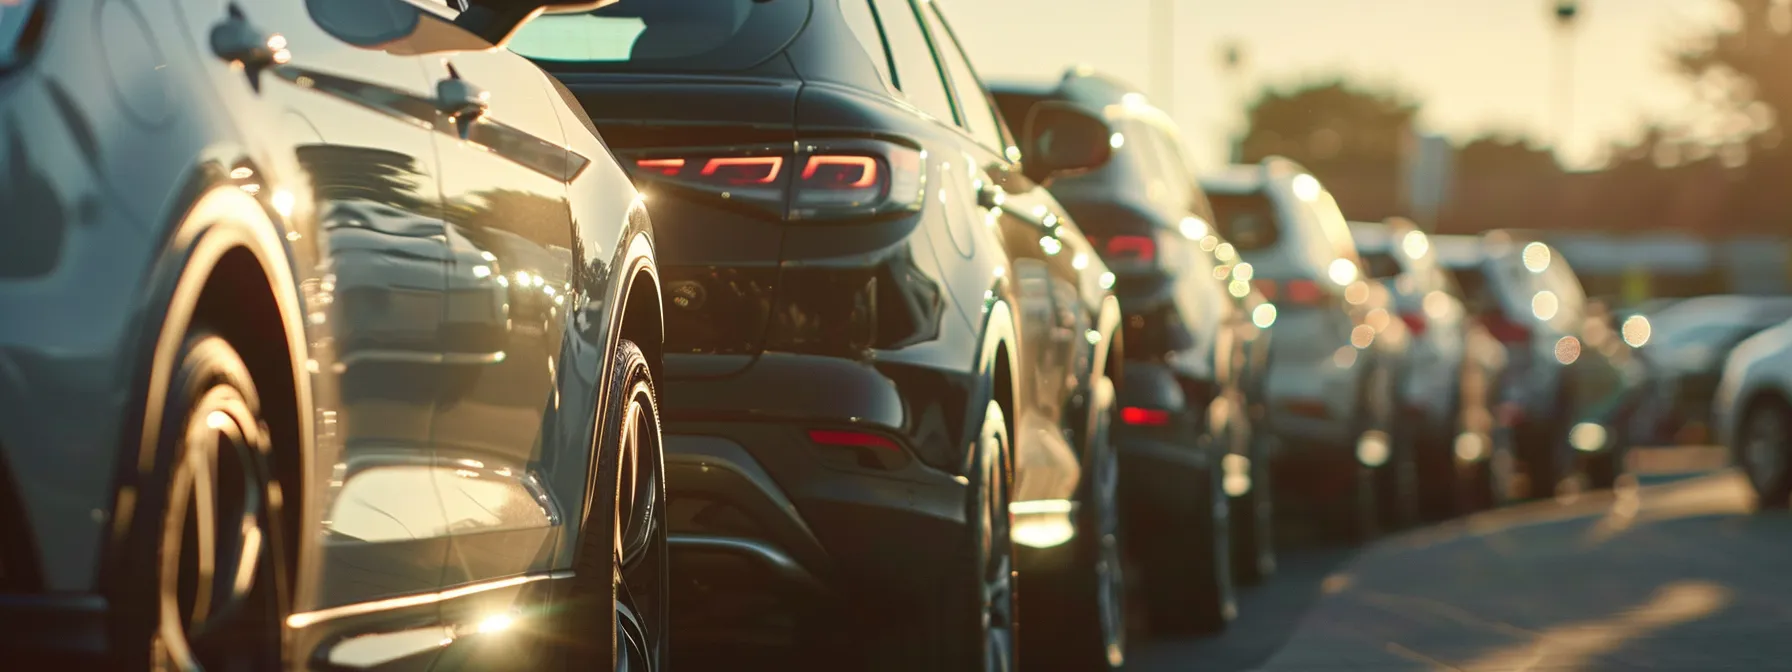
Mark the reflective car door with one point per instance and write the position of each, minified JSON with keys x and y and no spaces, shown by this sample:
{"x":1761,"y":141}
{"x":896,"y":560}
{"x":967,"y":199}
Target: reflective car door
{"x":356,"y":117}
{"x":505,"y":165}
{"x":1053,"y":315}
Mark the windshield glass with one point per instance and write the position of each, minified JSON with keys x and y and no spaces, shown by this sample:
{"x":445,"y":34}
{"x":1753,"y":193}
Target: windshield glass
{"x":1248,"y":221}
{"x":662,"y":35}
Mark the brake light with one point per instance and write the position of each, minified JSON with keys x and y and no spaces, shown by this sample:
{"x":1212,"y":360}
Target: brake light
{"x":744,"y":170}
{"x":1131,"y":248}
{"x":1505,"y":330}
{"x":1303,"y":292}
{"x":1134,"y":415}
{"x":830,"y":437}
{"x":1415,"y":323}
{"x":669,"y":167}
{"x":825,"y":180}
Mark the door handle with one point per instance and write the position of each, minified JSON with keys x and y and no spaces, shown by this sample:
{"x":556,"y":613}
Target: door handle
{"x":462,"y":101}
{"x":243,"y":45}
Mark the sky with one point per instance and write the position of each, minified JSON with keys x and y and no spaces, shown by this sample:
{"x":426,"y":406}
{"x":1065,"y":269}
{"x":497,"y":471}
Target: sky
{"x":1477,"y":65}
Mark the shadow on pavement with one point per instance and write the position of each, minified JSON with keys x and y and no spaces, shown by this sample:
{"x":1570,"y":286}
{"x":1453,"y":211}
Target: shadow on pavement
{"x":1267,"y":615}
{"x":1677,"y":576}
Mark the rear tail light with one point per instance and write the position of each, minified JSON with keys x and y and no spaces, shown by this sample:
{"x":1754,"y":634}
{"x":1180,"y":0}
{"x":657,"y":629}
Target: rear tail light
{"x":1134,"y":415}
{"x":1291,"y":292}
{"x":1415,"y":323}
{"x":821,"y":180}
{"x":1505,"y":330}
{"x":1130,"y":248}
{"x":847,"y":439}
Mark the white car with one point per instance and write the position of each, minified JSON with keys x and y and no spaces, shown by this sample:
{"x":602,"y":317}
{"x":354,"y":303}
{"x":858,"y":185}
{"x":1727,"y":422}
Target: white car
{"x":1752,"y":416}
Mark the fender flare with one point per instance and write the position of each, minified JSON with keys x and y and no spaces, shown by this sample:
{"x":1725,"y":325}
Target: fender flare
{"x":632,"y":258}
{"x":219,"y":219}
{"x":999,"y":337}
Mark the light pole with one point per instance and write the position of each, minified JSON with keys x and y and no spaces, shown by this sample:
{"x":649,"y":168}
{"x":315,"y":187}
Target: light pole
{"x":1232,"y":65}
{"x":1565,"y":11}
{"x":1162,"y":35}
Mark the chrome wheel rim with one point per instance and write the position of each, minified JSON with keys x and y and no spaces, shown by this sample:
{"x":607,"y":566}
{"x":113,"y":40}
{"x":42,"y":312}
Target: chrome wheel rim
{"x":216,"y":608}
{"x":640,"y":570}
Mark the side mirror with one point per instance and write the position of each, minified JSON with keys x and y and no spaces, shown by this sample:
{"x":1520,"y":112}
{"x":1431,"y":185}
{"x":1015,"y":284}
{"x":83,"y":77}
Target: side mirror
{"x":497,"y":20}
{"x":1062,"y":138}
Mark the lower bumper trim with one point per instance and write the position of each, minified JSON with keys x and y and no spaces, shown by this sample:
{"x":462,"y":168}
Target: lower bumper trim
{"x":773,"y":559}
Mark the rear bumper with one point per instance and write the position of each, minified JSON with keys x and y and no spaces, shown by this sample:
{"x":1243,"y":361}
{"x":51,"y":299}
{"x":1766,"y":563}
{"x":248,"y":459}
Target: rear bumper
{"x":42,"y":631}
{"x":755,"y":506}
{"x":1311,"y":406}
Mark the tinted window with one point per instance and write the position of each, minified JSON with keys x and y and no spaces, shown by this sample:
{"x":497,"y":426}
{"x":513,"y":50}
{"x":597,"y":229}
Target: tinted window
{"x":1248,"y":221}
{"x":864,"y":26}
{"x":709,"y":35}
{"x":973,"y":104}
{"x":1381,"y":265}
{"x":1471,"y":285}
{"x":917,"y":74}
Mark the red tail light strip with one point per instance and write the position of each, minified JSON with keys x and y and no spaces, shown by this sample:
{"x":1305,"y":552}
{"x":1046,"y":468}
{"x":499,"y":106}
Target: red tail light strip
{"x":772,"y":165}
{"x":867,"y":168}
{"x":832,"y":437}
{"x":1134,"y":415}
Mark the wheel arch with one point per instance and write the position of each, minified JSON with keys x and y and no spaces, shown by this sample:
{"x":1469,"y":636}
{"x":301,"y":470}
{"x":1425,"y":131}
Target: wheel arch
{"x":997,"y":370}
{"x":223,"y":264}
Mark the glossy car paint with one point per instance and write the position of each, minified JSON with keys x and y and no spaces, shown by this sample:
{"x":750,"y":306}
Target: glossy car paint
{"x":1430,"y":376}
{"x":892,"y":325}
{"x":448,"y":291}
{"x":1321,"y":385}
{"x":1147,"y":191}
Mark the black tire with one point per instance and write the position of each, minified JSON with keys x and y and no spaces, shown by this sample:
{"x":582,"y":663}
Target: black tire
{"x":1488,"y":484}
{"x":215,"y":477}
{"x":1396,"y":486}
{"x":1763,"y":448}
{"x":616,"y":611}
{"x":1253,"y":522}
{"x":1605,"y":468}
{"x":1077,"y":608}
{"x":969,"y":624}
{"x":1353,"y":517}
{"x":1187,"y":561}
{"x":1441,"y":481}
{"x":1543,"y":459}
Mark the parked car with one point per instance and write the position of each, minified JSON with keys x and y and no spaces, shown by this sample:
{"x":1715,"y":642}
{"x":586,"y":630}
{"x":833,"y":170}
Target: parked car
{"x":1751,"y":413}
{"x":1330,"y":392}
{"x":1685,"y":345}
{"x":270,"y":393}
{"x":1569,"y":379}
{"x":1400,"y":257}
{"x":1182,"y":404}
{"x":888,"y":348}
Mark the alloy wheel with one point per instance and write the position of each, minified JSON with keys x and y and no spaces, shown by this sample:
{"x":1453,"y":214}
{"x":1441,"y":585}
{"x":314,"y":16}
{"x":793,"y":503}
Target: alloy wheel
{"x":640,"y":567}
{"x":217,"y":601}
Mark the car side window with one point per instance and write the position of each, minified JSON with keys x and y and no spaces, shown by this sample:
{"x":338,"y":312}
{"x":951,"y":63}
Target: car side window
{"x":917,"y":73}
{"x":864,"y":26}
{"x":973,"y":104}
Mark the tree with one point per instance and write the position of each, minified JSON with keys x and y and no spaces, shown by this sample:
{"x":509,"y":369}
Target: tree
{"x":1739,"y":68}
{"x":1352,"y":138}
{"x":1503,"y":181}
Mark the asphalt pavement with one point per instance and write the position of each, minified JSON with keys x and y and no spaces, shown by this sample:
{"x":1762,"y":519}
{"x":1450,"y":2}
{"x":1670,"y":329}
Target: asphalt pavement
{"x":1668,"y":572}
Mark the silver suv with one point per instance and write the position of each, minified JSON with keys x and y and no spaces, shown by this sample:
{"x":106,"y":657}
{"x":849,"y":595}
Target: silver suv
{"x":1329,"y":393}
